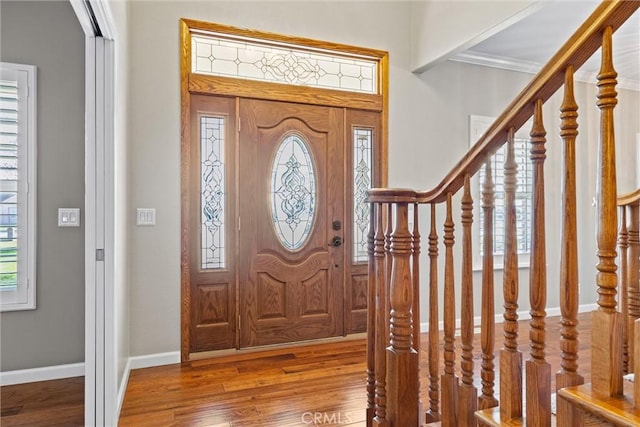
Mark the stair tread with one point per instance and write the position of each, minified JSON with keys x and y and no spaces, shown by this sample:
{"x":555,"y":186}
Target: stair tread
{"x":618,"y":410}
{"x":491,"y":417}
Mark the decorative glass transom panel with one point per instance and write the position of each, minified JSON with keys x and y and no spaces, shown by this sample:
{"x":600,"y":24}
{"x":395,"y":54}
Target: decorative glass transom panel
{"x":245,"y":58}
{"x":293,"y":192}
{"x":212,"y":132}
{"x":362,"y":178}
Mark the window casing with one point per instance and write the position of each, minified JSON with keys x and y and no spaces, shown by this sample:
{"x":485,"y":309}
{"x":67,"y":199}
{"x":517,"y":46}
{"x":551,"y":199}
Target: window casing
{"x":523,"y":198}
{"x":17,"y":187}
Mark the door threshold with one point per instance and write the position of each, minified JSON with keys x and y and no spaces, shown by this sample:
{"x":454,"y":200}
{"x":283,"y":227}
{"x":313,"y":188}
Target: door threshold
{"x":273,"y":349}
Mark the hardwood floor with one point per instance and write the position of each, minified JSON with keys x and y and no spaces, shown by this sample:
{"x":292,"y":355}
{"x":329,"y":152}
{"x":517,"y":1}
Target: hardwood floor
{"x":46,"y":403}
{"x":320,"y":384}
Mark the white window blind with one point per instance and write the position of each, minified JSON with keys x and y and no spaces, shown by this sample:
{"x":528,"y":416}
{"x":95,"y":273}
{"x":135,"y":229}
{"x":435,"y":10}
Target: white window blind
{"x":17,"y":186}
{"x":523,"y":197}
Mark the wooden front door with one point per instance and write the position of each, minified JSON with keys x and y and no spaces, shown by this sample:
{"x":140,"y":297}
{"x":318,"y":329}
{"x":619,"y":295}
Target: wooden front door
{"x":291,"y":199}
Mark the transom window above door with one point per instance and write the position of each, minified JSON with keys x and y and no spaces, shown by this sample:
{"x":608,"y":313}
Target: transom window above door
{"x":247,"y":58}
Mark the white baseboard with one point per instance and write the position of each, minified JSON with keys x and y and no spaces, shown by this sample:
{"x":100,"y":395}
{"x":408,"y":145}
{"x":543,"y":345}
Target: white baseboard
{"x":122,"y":387}
{"x":522,"y":315}
{"x":139,"y":362}
{"x":45,"y":373}
{"x":151,"y":360}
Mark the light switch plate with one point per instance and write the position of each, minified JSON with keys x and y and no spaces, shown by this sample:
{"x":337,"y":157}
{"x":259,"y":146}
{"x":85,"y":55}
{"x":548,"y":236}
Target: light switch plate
{"x":68,"y":217}
{"x":145,"y":216}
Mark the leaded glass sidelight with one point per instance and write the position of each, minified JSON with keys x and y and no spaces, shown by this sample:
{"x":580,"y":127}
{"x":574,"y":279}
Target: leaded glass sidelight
{"x":293,"y":192}
{"x":362,"y":178}
{"x":212,"y":201}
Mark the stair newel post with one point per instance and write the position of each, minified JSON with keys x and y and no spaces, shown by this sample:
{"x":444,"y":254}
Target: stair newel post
{"x":633,"y":280}
{"x":402,"y":359}
{"x":467,"y":393}
{"x":606,"y":333}
{"x":449,"y":381}
{"x":433,"y":414}
{"x":568,"y":374}
{"x":538,"y":371}
{"x":381,"y":319}
{"x":623,"y":244}
{"x":510,"y":356}
{"x":487,"y":329}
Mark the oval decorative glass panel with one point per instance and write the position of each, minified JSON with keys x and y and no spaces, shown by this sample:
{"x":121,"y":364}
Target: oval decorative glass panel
{"x":293,"y":192}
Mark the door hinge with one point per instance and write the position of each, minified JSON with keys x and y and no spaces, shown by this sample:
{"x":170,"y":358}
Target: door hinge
{"x":239,"y":322}
{"x":238,"y":223}
{"x":99,"y":254}
{"x":239,"y":121}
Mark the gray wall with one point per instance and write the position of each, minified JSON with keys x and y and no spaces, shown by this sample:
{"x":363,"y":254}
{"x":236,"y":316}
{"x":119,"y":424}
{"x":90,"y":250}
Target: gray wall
{"x":48,"y":35}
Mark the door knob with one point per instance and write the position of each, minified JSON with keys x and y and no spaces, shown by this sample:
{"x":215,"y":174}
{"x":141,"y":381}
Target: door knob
{"x":336,"y":241}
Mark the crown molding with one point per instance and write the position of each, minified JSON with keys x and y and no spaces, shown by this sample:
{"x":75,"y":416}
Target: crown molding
{"x":522,"y":66}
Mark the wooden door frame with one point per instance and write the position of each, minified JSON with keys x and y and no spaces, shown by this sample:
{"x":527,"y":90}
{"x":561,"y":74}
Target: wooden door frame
{"x":193,"y":83}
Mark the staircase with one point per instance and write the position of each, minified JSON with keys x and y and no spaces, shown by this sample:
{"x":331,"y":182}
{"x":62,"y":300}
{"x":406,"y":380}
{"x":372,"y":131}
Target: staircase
{"x":524,"y":395}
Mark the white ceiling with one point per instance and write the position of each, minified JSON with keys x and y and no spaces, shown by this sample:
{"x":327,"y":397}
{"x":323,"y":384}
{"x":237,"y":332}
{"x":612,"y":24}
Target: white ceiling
{"x":531,"y":42}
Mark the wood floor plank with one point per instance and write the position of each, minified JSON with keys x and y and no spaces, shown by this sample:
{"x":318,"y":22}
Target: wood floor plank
{"x":279,"y":387}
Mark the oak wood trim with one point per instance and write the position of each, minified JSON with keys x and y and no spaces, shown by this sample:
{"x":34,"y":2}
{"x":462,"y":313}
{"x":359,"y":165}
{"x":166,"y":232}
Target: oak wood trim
{"x":302,"y":42}
{"x":229,"y":86}
{"x":192,"y":83}
{"x":185,"y":194}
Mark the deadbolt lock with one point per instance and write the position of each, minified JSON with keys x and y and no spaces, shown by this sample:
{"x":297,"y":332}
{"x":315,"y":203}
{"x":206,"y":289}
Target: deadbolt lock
{"x":337,"y":225}
{"x":336,"y":241}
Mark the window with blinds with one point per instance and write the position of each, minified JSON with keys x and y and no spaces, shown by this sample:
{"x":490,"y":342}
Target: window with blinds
{"x":523,"y":198}
{"x":524,"y":191}
{"x":17,"y":186}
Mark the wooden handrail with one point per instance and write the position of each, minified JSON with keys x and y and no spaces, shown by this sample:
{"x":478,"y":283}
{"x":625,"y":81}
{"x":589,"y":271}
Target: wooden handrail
{"x":395,"y":252}
{"x":575,"y":52}
{"x":629,"y":199}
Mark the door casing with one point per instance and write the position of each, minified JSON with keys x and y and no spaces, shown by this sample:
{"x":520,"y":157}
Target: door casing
{"x":193,"y":84}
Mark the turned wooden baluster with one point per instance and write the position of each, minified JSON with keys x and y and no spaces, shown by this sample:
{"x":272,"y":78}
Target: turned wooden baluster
{"x":415,"y":309}
{"x":538,"y":371}
{"x":633,"y":280}
{"x":606,"y":332}
{"x":381,"y":318}
{"x":388,"y":258}
{"x":467,"y":393}
{"x":433,"y":414}
{"x":510,"y":356}
{"x":448,"y":380}
{"x":568,"y":374}
{"x":402,"y":359}
{"x":636,"y":358}
{"x":372,"y":326}
{"x":623,"y":244}
{"x":487,"y":329}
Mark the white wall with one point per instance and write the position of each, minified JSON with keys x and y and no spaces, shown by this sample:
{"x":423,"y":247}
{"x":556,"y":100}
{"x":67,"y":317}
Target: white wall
{"x":120,"y":10}
{"x":457,"y":90}
{"x":155,"y":125}
{"x":440,"y":29}
{"x":428,"y":132}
